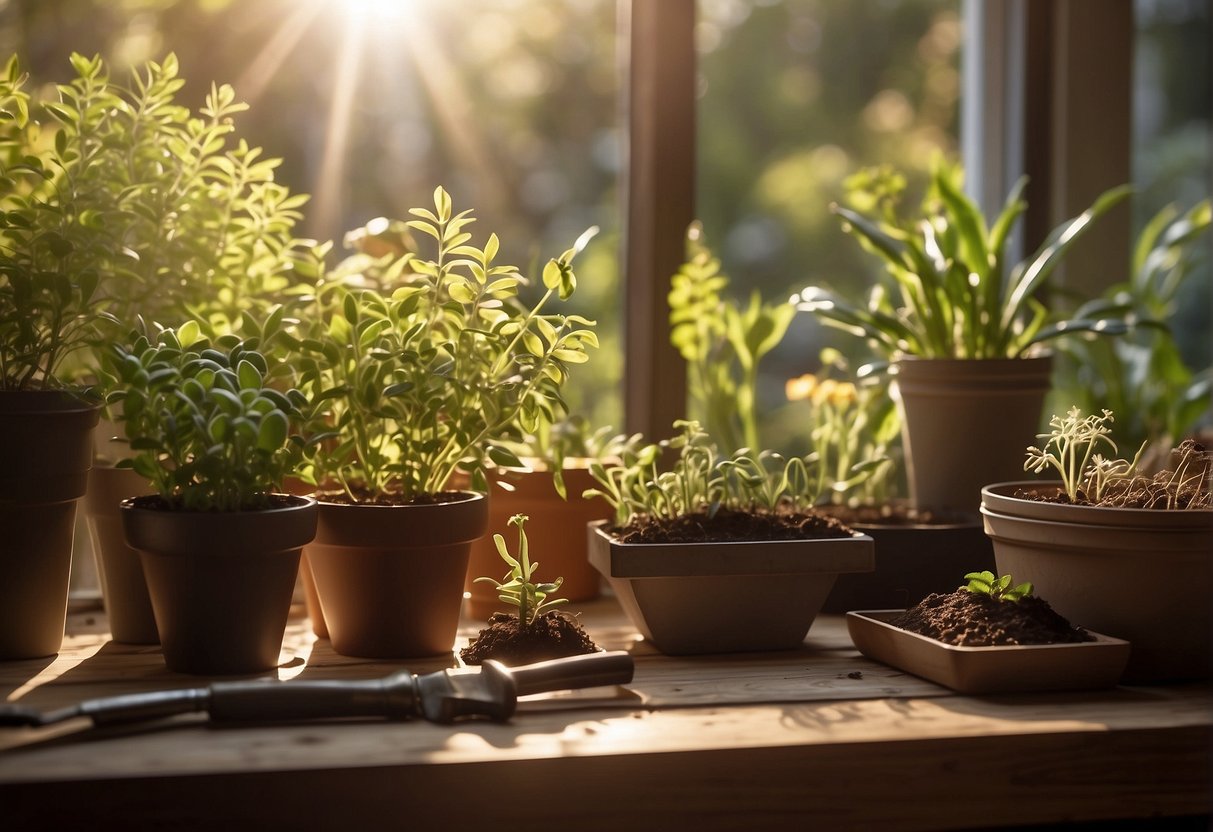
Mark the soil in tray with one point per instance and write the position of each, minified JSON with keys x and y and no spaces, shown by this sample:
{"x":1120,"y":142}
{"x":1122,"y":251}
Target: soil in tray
{"x":729,"y":525}
{"x":974,"y":620}
{"x":553,"y":635}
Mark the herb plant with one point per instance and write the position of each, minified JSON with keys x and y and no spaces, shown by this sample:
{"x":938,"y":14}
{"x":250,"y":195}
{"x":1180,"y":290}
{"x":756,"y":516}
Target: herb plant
{"x":432,"y":373}
{"x":701,"y":479}
{"x":137,"y":207}
{"x":204,"y":425}
{"x":722,"y":344}
{"x":517,"y":587}
{"x":999,"y":589}
{"x":947,"y":290}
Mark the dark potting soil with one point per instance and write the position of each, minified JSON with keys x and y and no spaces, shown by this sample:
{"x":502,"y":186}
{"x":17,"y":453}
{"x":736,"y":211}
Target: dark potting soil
{"x":363,"y":497}
{"x":155,"y":502}
{"x":975,"y":620}
{"x":553,"y":635}
{"x":893,"y":515}
{"x":729,"y":525}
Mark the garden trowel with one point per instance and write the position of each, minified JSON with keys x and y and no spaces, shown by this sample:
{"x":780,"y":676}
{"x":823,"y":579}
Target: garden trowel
{"x":490,"y":691}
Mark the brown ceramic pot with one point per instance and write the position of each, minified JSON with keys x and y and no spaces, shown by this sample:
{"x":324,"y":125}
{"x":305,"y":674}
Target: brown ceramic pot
{"x":555,"y":532}
{"x":1143,"y":575}
{"x":390,"y":578}
{"x":221,"y":582}
{"x":45,"y":454}
{"x":123,"y":586}
{"x":965,"y":424}
{"x":690,"y":598}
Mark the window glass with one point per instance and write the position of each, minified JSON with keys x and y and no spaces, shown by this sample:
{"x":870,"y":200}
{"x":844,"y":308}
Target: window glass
{"x":1172,"y":141}
{"x":796,"y":95}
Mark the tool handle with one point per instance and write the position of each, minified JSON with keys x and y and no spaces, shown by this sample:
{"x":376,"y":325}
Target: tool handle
{"x":588,"y":671}
{"x":393,"y":697}
{"x":137,"y":707}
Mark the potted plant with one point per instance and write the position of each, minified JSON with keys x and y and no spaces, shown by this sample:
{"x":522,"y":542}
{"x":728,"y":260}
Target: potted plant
{"x":1121,"y":551}
{"x":556,"y":463}
{"x":719,"y":553}
{"x":219,"y":542}
{"x":537,"y":631}
{"x":964,"y":329}
{"x":49,"y":310}
{"x":854,"y":431}
{"x":990,"y":635}
{"x":411,"y":384}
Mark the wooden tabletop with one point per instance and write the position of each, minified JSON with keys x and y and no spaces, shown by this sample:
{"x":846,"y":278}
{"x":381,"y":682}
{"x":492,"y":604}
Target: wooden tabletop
{"x":746,"y":741}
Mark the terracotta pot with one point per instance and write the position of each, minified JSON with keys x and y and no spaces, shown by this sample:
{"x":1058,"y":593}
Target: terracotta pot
{"x":45,"y":454}
{"x":725,"y":597}
{"x":965,"y":423}
{"x":221,"y":582}
{"x":390,"y":578}
{"x":1138,"y":574}
{"x":913,"y":561}
{"x":123,"y":586}
{"x":555,"y":532}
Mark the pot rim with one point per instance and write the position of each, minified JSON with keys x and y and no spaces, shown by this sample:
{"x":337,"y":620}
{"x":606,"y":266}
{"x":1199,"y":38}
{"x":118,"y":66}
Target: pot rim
{"x":298,"y":502}
{"x":468,"y":498}
{"x":998,"y":498}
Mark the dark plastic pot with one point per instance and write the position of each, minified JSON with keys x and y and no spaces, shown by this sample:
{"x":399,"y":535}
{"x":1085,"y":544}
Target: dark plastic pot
{"x":555,"y":531}
{"x":692,"y":598}
{"x":966,"y":423}
{"x":913,"y":561}
{"x":220,"y":582}
{"x":1143,"y":575}
{"x":390,"y":578}
{"x":123,"y":586}
{"x":45,"y":454}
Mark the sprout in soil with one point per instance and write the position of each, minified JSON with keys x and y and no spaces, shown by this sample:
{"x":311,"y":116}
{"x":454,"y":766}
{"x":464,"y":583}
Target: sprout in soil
{"x":517,"y":588}
{"x":1000,"y":589}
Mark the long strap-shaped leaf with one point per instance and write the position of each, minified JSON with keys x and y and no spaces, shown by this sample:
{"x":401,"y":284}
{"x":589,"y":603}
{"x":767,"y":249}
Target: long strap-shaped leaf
{"x":1030,"y":275}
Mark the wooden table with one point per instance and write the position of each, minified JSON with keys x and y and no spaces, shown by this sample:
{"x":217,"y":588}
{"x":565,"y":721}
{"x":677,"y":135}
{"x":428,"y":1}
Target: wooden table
{"x":753,"y":741}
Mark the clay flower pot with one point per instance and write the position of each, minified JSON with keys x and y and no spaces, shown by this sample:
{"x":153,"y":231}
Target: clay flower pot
{"x":221,"y":582}
{"x":46,"y":446}
{"x":556,"y":528}
{"x":725,"y":597}
{"x":123,"y":585}
{"x":389,"y":579}
{"x":965,"y":424}
{"x":1142,"y":575}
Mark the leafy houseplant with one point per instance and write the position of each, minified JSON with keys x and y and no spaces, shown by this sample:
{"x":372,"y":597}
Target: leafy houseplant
{"x":411,"y":384}
{"x":536,"y":632}
{"x":1105,"y":542}
{"x":718,"y":553}
{"x":1142,"y":375}
{"x":960,"y":323}
{"x":48,"y":281}
{"x":220,"y":545}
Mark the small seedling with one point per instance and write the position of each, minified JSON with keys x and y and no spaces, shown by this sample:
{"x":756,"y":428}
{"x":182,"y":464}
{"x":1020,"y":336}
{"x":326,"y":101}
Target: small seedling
{"x":517,"y":588}
{"x":1000,"y":589}
{"x":1071,"y":450}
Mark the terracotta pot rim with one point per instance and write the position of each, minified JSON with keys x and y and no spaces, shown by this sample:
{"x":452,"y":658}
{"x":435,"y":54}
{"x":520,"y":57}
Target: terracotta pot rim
{"x":469,"y":497}
{"x":1020,"y":360}
{"x":1003,"y":491}
{"x":14,"y":402}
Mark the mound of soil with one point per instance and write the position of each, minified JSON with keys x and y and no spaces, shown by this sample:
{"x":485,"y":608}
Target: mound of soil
{"x":974,"y":620}
{"x":553,"y":635}
{"x":728,"y":525}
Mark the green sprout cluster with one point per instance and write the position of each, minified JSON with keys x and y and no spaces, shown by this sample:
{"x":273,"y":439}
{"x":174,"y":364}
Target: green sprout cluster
{"x":1000,"y":589}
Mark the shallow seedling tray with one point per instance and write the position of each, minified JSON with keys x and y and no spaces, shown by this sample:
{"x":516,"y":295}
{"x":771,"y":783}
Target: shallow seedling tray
{"x":1004,"y":669}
